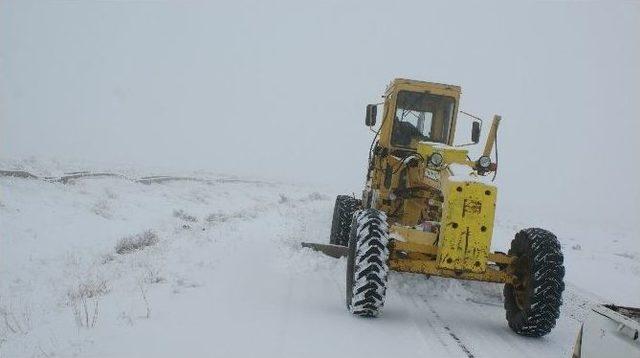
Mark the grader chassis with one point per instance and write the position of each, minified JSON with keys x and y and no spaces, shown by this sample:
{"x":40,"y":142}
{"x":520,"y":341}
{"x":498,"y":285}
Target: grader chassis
{"x":428,"y":208}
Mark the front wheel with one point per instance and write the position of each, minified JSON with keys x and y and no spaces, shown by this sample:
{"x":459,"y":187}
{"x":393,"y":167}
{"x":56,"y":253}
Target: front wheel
{"x":341,"y":223}
{"x":533,"y":303}
{"x":367,"y":267}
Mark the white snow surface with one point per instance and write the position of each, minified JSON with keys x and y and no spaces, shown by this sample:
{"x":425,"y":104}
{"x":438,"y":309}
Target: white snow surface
{"x":225,"y":276}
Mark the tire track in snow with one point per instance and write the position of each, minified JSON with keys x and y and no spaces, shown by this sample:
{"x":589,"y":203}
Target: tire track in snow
{"x":462,"y":345}
{"x":459,"y":340}
{"x":476,"y":341}
{"x":429,"y":332}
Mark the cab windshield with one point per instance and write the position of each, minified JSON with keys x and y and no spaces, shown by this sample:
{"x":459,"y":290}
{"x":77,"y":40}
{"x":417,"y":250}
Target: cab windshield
{"x":421,"y":117}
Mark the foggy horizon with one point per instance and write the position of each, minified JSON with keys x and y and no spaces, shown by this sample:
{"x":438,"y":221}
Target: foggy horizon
{"x":279,"y":90}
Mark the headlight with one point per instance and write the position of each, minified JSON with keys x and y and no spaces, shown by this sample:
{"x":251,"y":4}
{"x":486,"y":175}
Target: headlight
{"x":436,"y":159}
{"x":484,"y":162}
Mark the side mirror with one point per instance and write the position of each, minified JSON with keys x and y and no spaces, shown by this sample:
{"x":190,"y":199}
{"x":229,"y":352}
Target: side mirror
{"x":372,"y":111}
{"x":475,"y":132}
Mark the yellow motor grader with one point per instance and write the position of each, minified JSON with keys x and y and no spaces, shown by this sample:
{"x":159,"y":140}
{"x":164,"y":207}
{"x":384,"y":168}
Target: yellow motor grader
{"x":428,"y":208}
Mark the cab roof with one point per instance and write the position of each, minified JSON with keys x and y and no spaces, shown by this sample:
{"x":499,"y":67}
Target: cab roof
{"x":423,"y":86}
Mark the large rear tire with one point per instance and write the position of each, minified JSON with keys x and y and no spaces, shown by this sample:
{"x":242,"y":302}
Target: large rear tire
{"x":342,"y":215}
{"x":533,"y":305}
{"x":367,"y":267}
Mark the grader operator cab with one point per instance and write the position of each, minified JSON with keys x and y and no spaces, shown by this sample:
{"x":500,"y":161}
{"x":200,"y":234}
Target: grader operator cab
{"x":428,"y":208}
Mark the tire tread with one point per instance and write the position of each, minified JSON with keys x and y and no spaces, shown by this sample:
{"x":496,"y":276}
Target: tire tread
{"x":367,"y":269}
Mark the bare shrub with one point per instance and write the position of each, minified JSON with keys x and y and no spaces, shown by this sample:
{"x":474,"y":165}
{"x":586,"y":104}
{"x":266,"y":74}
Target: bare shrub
{"x":136,"y":242}
{"x":84,"y":301}
{"x":626,"y":255}
{"x":16,"y":321}
{"x":102,"y":208}
{"x":145,"y":299}
{"x":224,"y":217}
{"x":126,"y":317}
{"x":315,"y":196}
{"x":152,"y":275}
{"x":110,"y":193}
{"x":105,"y":259}
{"x":216,"y":218}
{"x":180,"y":214}
{"x":183,"y":283}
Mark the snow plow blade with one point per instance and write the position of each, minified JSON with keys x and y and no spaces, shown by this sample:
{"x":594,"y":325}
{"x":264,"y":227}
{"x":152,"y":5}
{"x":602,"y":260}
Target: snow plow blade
{"x":336,"y":251}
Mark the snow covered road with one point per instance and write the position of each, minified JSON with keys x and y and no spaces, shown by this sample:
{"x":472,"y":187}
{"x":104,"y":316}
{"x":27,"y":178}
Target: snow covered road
{"x":225,"y":276}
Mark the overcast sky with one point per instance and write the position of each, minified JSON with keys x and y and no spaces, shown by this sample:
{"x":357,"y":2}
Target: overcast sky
{"x":278,"y":90}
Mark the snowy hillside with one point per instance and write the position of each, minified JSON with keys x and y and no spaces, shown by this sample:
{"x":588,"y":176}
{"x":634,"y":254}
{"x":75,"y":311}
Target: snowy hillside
{"x":211,"y":265}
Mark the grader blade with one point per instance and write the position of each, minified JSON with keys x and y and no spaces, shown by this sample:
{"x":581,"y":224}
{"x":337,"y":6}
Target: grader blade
{"x":336,"y":251}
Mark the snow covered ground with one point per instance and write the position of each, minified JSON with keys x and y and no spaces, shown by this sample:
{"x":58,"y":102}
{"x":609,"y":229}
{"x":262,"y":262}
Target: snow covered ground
{"x":109,"y":267}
